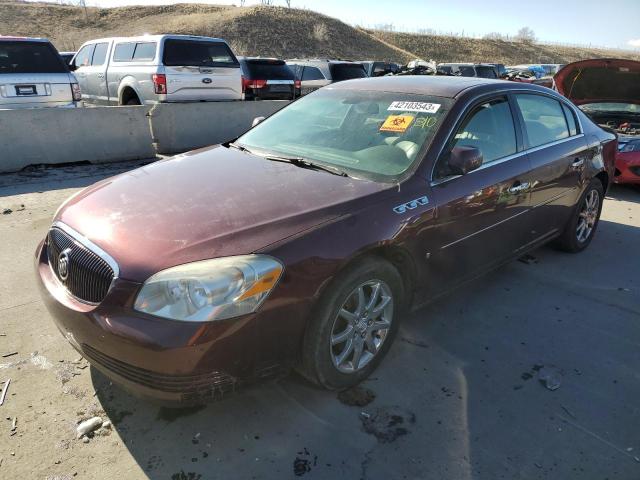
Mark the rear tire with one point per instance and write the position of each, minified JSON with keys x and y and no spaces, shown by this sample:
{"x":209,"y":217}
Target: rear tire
{"x":133,"y":101}
{"x":584,"y":221}
{"x":354,"y":324}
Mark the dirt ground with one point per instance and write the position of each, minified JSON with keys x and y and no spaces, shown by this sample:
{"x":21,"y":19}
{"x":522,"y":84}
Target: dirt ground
{"x":459,"y":396}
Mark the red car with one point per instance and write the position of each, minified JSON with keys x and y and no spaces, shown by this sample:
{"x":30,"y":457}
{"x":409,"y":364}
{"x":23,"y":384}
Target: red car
{"x":304,"y":242}
{"x":608,"y":91}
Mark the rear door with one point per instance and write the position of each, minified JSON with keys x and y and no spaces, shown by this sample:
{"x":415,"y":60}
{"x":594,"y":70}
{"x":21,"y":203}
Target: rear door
{"x":482,"y":217}
{"x":558,"y":154}
{"x":32,"y":74}
{"x":198,"y":70}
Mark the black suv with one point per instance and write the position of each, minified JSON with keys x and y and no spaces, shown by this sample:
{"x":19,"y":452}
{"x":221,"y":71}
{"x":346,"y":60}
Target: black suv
{"x":267,"y":78}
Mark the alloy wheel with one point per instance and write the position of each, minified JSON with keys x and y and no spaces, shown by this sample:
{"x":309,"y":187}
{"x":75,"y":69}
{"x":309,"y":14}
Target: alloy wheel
{"x":588,"y":216}
{"x":361,"y":326}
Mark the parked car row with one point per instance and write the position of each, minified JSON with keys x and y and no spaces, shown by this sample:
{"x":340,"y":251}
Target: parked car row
{"x":178,"y":68}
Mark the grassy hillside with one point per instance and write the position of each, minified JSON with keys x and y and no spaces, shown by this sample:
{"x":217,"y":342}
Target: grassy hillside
{"x":266,"y":31}
{"x":270,"y":31}
{"x":456,"y":49}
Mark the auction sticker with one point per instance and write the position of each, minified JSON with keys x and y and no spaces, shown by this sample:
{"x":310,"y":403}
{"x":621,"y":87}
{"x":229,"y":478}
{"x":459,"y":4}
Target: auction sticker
{"x":422,"y":107}
{"x":397,"y":123}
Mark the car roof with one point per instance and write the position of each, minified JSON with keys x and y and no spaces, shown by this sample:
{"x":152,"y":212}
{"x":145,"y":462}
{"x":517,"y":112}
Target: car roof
{"x":23,"y":39}
{"x":439,"y":86}
{"x":156,"y":38}
{"x":319,"y":61}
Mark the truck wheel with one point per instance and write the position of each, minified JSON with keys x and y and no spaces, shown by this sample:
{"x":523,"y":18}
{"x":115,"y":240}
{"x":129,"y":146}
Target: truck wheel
{"x":354,"y":325}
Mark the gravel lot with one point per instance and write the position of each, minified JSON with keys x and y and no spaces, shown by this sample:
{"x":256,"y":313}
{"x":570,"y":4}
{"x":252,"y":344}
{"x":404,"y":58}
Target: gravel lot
{"x":458,"y":397}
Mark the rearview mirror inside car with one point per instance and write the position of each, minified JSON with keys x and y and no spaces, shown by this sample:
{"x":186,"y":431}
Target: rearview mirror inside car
{"x":463,"y":160}
{"x":257,"y":120}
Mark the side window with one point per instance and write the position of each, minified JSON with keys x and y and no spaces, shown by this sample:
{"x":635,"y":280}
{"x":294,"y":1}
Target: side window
{"x":544,"y":120}
{"x":312,"y":73}
{"x":490,"y":129}
{"x":100,"y":54}
{"x":571,"y":120}
{"x":145,"y":51}
{"x":124,"y":52}
{"x":83,"y":57}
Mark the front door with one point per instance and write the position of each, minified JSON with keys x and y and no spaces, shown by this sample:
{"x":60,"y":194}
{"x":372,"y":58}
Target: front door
{"x":97,"y":74}
{"x":482,"y":216}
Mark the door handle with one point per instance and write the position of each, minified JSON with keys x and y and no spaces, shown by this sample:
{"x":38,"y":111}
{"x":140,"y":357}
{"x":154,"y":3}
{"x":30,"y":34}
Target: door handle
{"x":101,"y":75}
{"x":577,"y":163}
{"x":519,"y":187}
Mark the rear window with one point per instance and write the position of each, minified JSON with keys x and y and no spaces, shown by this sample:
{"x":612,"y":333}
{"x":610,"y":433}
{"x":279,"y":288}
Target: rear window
{"x":124,"y":52}
{"x":145,"y":51}
{"x":178,"y":53}
{"x":312,"y":73}
{"x":30,"y":57}
{"x":467,"y":71}
{"x":346,"y":71}
{"x":268,"y":70}
{"x":139,"y":51}
{"x":486,"y":72}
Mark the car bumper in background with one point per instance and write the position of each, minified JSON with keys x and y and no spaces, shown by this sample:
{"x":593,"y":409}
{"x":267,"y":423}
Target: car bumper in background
{"x":15,"y":106}
{"x":628,"y":168}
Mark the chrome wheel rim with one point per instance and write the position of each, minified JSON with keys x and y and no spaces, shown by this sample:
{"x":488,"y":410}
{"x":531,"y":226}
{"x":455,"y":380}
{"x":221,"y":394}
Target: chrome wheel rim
{"x":361,"y":326}
{"x":588,"y":216}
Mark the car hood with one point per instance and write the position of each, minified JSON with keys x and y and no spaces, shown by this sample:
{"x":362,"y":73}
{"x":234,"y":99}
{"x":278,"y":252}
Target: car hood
{"x":600,"y":80}
{"x":209,"y":203}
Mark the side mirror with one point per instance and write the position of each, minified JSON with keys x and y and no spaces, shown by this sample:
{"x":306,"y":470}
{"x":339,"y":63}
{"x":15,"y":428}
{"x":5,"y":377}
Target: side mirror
{"x":256,"y":121}
{"x":463,"y":160}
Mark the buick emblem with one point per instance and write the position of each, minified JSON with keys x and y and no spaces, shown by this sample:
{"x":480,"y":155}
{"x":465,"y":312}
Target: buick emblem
{"x":63,"y":264}
{"x":207,"y":80}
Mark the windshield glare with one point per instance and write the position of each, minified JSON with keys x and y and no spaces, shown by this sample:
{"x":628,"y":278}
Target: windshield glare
{"x":369,"y":134}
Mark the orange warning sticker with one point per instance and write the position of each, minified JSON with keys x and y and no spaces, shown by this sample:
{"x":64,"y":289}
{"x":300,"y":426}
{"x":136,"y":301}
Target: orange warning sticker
{"x":397,"y":123}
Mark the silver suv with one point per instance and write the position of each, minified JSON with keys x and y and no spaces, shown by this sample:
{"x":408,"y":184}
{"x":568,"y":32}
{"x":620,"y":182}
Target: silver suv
{"x":315,"y":73}
{"x":157,"y":68}
{"x":33,"y":75}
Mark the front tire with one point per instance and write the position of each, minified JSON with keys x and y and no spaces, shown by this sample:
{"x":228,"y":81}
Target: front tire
{"x":354,"y":324}
{"x":583,"y":223}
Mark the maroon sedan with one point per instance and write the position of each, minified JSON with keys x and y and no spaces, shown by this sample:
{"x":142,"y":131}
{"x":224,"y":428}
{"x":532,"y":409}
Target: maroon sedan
{"x":302,"y":243}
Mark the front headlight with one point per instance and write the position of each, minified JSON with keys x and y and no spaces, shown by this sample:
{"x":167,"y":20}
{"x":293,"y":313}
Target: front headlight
{"x":210,"y":289}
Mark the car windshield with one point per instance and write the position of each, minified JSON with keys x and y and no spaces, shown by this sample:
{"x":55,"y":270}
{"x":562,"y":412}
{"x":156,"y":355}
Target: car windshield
{"x":611,"y":107}
{"x":184,"y":53}
{"x":30,"y":57}
{"x":368,"y":134}
{"x":346,"y":71}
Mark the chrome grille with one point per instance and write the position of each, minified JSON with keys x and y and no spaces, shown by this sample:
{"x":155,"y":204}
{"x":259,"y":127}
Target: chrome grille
{"x":88,"y":275}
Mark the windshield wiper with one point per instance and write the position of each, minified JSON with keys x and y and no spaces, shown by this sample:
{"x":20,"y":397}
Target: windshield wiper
{"x":304,"y":163}
{"x":297,"y":161}
{"x":242,"y":148}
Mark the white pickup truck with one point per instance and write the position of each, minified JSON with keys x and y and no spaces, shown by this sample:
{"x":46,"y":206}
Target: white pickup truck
{"x":157,"y":68}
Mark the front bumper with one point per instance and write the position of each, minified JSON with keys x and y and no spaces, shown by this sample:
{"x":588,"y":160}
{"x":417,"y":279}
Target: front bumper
{"x":627,"y":168}
{"x":168,"y":361}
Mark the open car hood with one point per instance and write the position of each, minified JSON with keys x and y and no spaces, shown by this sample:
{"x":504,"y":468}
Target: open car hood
{"x":600,"y":80}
